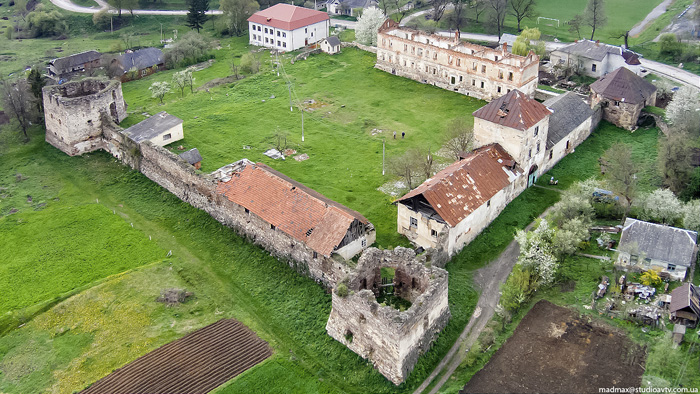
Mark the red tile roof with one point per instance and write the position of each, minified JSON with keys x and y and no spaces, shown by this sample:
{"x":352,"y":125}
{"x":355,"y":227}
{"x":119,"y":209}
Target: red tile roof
{"x":515,"y":110}
{"x":287,"y":17}
{"x":465,"y":185}
{"x":291,"y":207}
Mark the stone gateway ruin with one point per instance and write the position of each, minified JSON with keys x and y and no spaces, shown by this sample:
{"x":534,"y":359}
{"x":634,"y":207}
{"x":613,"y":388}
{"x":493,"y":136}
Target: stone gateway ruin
{"x":313,"y":234}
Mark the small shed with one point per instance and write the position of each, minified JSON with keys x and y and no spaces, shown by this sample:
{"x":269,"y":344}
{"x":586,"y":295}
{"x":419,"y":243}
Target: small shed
{"x":193,"y":157}
{"x":507,"y":39}
{"x":678,"y":333}
{"x":685,"y":305}
{"x":161,"y":129}
{"x":330,"y":45}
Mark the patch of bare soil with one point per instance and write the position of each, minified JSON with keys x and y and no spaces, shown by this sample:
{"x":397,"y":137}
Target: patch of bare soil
{"x":553,"y":350}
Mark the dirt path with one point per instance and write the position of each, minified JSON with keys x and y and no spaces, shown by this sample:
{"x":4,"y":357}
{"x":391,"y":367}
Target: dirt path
{"x":489,"y":280}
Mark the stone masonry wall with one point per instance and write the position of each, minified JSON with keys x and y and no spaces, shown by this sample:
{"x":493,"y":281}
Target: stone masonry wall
{"x":391,"y":339}
{"x":74,"y":113}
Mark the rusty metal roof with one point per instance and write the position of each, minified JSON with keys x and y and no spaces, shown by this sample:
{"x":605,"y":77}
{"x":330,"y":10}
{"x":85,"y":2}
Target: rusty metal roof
{"x":301,"y":212}
{"x":465,"y":185}
{"x":515,"y":110}
{"x":624,"y":85}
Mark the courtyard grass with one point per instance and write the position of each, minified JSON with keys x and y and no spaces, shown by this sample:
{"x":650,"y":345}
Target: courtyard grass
{"x":353,"y":101}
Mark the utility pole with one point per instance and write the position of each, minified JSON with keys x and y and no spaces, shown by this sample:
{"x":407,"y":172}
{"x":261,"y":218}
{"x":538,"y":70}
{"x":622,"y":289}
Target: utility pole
{"x":383,"y":153}
{"x":111,"y":24}
{"x":289,"y":87}
{"x":161,"y":33}
{"x":302,"y":124}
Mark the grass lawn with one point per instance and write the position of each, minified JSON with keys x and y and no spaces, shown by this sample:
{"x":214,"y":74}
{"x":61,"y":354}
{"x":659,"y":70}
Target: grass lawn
{"x":621,"y":17}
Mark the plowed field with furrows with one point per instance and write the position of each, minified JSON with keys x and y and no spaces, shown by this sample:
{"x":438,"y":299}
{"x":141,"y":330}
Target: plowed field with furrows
{"x":195,"y":364}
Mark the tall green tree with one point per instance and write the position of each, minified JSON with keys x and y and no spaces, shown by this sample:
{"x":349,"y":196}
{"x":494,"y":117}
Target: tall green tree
{"x":197,"y":13}
{"x":17,"y":100}
{"x":36,"y":84}
{"x":674,"y":160}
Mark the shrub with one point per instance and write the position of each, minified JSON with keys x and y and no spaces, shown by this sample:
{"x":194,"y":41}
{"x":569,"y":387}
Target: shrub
{"x":42,"y":23}
{"x":101,"y":20}
{"x":342,"y":290}
{"x":192,"y":48}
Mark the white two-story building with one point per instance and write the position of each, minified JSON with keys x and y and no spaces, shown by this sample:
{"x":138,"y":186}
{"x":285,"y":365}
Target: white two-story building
{"x":286,"y":27}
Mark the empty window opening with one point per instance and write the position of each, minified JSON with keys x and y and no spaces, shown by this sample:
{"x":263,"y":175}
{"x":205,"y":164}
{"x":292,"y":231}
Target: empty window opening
{"x":414,"y":222}
{"x":167,"y":137}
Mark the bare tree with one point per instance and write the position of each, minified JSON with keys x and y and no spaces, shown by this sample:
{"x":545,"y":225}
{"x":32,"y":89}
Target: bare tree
{"x":499,"y":9}
{"x":438,"y":8}
{"x":621,"y":34}
{"x":458,"y":18}
{"x":621,"y":172}
{"x":18,"y":101}
{"x":575,"y":25}
{"x":594,"y":15}
{"x":522,"y":9}
{"x":234,"y":68}
{"x":407,"y":166}
{"x":426,"y":162}
{"x":478,"y":6}
{"x":460,"y":137}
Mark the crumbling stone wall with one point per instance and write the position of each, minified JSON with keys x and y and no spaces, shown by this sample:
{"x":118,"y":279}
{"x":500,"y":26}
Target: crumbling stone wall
{"x":391,"y":339}
{"x":74,"y":113}
{"x":620,"y":113}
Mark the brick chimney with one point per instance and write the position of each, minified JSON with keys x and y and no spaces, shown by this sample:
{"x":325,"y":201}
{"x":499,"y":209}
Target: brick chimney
{"x":597,"y":42}
{"x":504,"y":49}
{"x":457,"y":35}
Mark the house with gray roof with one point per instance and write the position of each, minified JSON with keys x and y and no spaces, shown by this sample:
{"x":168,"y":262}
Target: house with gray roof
{"x":644,"y":246}
{"x":595,"y":59}
{"x":161,"y":129}
{"x":570,"y":124}
{"x":137,"y":64}
{"x":330,"y":45}
{"x":622,"y":95}
{"x":68,"y":66}
{"x":508,"y":39}
{"x":349,"y":7}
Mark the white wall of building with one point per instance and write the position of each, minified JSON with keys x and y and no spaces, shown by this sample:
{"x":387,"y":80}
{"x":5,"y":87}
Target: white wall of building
{"x":285,"y":40}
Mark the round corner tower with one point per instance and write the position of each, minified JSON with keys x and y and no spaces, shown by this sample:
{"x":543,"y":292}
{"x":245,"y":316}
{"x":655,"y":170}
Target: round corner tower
{"x":74,"y":112}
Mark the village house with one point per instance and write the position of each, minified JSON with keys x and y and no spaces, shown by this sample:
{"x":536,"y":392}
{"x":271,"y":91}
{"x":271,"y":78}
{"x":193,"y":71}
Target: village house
{"x":300,"y":222}
{"x":451,"y":208}
{"x":455,"y":65}
{"x":571,"y":122}
{"x":595,"y":59}
{"x":193,"y":157}
{"x":330,"y":45}
{"x":349,"y":7}
{"x":685,"y":305}
{"x":520,"y":125}
{"x":622,"y":95}
{"x":285,"y":27}
{"x":66,"y":67}
{"x":646,"y":246}
{"x":161,"y":129}
{"x":136,"y":64}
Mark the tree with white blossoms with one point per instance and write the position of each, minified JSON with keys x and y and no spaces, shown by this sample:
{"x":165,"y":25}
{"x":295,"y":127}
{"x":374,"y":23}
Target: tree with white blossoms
{"x":180,"y":81}
{"x":691,"y":216}
{"x":367,"y":26}
{"x":661,"y":205}
{"x":568,"y":238}
{"x":683,"y":112}
{"x":536,"y":252}
{"x":159,"y":90}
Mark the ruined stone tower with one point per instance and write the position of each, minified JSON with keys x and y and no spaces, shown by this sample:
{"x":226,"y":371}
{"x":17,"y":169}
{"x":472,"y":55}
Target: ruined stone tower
{"x":74,"y":113}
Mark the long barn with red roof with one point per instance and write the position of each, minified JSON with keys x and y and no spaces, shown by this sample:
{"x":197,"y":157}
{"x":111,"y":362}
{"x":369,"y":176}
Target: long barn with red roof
{"x":287,"y":28}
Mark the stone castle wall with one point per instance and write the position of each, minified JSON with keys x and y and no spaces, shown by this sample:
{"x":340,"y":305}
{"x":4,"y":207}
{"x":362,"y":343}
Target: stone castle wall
{"x":391,"y":339}
{"x":74,"y":113}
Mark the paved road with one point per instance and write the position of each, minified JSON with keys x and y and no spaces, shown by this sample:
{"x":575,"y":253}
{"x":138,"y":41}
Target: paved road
{"x":655,"y":13}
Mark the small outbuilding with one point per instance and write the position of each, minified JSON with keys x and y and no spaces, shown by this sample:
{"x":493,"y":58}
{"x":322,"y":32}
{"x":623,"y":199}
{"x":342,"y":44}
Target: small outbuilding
{"x":678,"y":333}
{"x":137,"y":64}
{"x":161,"y":129}
{"x":193,"y":157}
{"x":622,"y":95}
{"x":685,"y":305}
{"x":330,"y":45}
{"x":68,"y":66}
